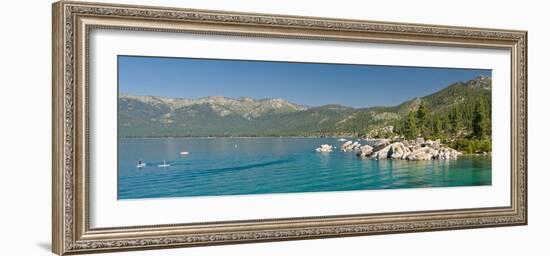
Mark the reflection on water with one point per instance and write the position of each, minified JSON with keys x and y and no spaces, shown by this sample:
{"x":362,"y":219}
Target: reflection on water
{"x":237,"y":166}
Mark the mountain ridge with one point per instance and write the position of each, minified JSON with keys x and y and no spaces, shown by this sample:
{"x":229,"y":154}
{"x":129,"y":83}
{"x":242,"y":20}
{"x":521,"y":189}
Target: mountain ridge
{"x":152,"y":116}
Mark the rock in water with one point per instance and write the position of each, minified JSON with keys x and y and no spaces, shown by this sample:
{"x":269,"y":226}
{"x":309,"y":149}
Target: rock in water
{"x":381,"y":144}
{"x":382,"y":153}
{"x":398,"y":151}
{"x":447,"y":154}
{"x":346,"y":146}
{"x":324,"y":148}
{"x":349,"y":146}
{"x":374,"y":142}
{"x":364,"y":151}
{"x":421,"y":154}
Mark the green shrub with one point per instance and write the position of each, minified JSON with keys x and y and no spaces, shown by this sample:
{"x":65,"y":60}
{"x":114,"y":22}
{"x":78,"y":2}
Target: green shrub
{"x":471,"y":146}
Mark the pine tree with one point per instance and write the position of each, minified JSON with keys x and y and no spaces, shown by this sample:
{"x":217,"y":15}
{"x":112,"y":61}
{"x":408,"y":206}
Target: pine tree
{"x":421,"y":116}
{"x":437,"y":127}
{"x":480,"y":121}
{"x":410,"y":129}
{"x":455,"y":121}
{"x":445,"y":124}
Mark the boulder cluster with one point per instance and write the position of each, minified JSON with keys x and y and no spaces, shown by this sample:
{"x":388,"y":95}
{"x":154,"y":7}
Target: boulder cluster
{"x":350,"y":146}
{"x":407,"y":149}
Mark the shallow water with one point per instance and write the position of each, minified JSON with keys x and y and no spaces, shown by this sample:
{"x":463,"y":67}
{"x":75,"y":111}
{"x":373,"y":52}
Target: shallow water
{"x":237,"y":166}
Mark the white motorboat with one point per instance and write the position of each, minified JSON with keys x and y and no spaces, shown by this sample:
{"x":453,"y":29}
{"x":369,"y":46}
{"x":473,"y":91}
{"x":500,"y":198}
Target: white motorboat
{"x":183,"y":153}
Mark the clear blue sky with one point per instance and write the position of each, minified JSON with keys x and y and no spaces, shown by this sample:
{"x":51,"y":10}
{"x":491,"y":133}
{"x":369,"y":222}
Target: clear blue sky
{"x":311,"y":84}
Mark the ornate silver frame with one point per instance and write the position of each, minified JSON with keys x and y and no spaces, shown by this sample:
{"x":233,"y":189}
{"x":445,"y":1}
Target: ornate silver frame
{"x":72,"y":22}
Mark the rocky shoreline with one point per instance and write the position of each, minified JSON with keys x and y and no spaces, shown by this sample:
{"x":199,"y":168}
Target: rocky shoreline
{"x":413,"y":150}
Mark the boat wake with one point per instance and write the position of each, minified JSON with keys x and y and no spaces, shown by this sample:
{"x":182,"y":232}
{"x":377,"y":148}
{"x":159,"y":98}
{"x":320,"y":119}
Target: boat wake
{"x":215,"y":170}
{"x":245,"y":167}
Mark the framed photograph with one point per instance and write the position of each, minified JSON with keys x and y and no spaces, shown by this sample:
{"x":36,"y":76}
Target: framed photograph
{"x":179,"y":127}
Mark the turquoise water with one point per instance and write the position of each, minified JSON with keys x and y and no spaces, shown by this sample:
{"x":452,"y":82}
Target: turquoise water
{"x":238,"y":166}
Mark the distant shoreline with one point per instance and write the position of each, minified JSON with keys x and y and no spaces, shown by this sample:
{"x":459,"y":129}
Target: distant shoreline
{"x":232,"y":137}
{"x":347,"y":139}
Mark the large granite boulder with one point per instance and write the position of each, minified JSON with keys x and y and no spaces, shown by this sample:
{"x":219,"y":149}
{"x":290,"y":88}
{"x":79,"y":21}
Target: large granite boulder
{"x":381,"y":144}
{"x":447,"y":154}
{"x":364,"y":151}
{"x":421,"y":154}
{"x":382,"y":153}
{"x":374,"y":142}
{"x":398,"y":151}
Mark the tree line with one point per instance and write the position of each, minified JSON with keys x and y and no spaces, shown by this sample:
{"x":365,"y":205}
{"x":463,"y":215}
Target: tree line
{"x":466,"y":127}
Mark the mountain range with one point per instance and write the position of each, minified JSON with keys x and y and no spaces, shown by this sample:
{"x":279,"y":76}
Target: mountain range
{"x":151,"y":116}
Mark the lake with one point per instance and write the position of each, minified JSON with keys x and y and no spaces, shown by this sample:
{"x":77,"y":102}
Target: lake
{"x":239,"y":166}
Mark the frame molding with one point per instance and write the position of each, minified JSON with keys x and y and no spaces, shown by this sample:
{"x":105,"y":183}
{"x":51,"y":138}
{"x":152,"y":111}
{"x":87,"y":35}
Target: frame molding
{"x":72,"y":22}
